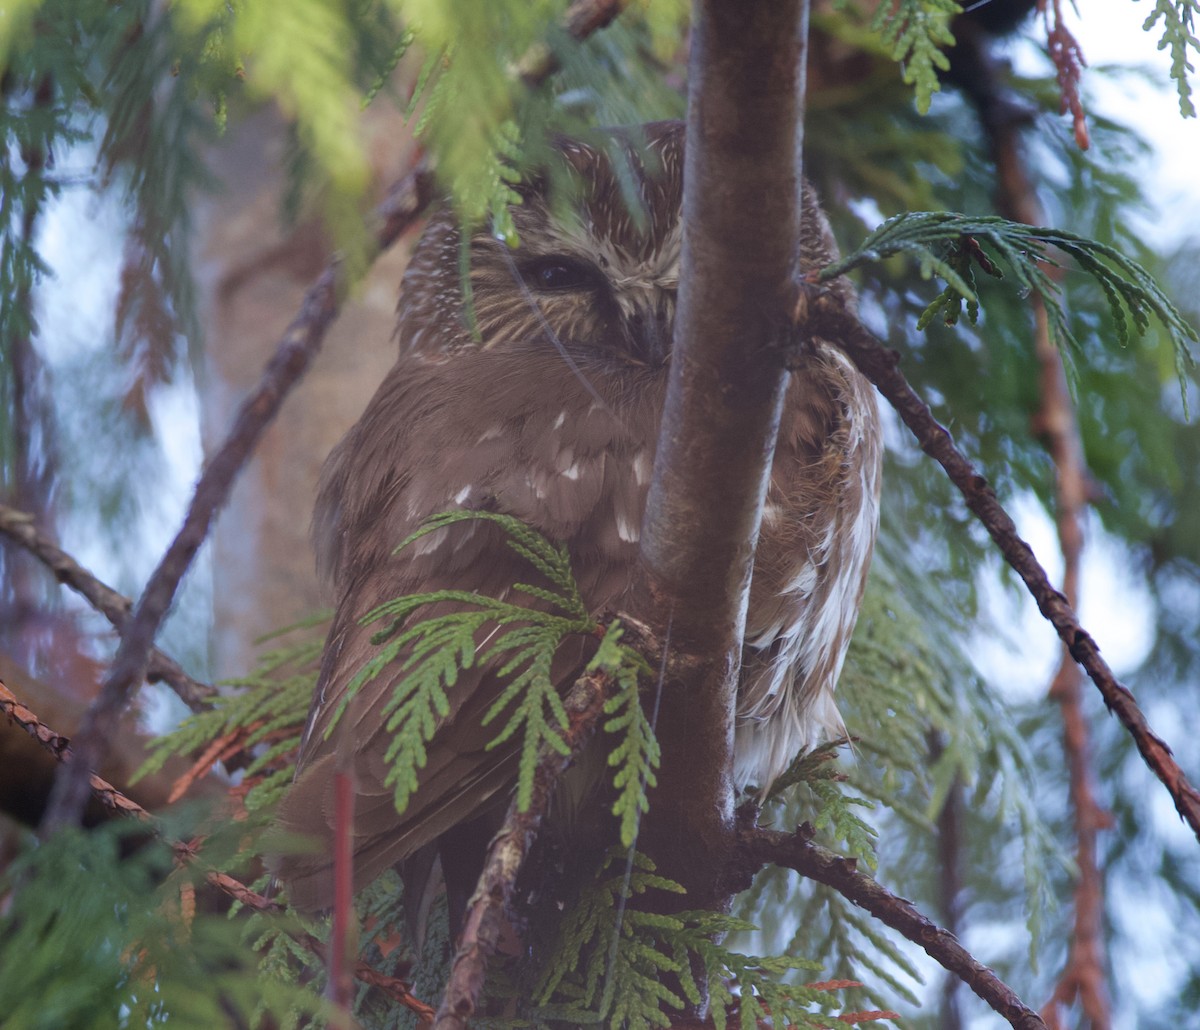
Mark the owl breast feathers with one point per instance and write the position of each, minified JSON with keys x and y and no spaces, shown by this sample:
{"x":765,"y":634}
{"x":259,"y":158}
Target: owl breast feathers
{"x":541,"y":399}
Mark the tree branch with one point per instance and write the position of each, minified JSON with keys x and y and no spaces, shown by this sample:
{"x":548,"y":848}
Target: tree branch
{"x":59,"y":746}
{"x":581,"y":19}
{"x":796,"y":851}
{"x":489,"y":908}
{"x":723,"y":405}
{"x":828,"y":319}
{"x":296,"y":349}
{"x":19,"y":527}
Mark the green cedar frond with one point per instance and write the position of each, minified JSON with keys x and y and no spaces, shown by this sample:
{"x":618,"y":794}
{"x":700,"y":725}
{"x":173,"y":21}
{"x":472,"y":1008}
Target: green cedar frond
{"x":552,"y":562}
{"x":472,"y":98}
{"x":608,"y":962}
{"x":300,"y":55}
{"x":905,"y":678}
{"x":853,"y":945}
{"x":915,"y":31}
{"x":403,"y":45}
{"x":269,"y":705}
{"x":427,"y":656}
{"x":947,"y":244}
{"x":834,"y":816}
{"x":588,"y":928}
{"x":807,"y":767}
{"x":283,"y":959}
{"x":93,"y":935}
{"x":906,"y":671}
{"x":637,"y":754}
{"x":1178,"y":34}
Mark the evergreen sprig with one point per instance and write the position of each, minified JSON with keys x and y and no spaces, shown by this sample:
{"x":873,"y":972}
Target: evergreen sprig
{"x":99,"y":933}
{"x":425,"y":658}
{"x":636,"y":755}
{"x":947,"y":244}
{"x":947,"y":730}
{"x":906,"y":682}
{"x":268,"y":707}
{"x":473,"y":100}
{"x":834,"y":812}
{"x":915,"y":31}
{"x":1178,"y":35}
{"x":610,"y":961}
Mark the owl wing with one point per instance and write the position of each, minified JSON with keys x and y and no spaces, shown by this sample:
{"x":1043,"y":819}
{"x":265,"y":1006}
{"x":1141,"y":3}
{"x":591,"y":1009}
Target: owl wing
{"x":434,"y":439}
{"x":810,"y":570}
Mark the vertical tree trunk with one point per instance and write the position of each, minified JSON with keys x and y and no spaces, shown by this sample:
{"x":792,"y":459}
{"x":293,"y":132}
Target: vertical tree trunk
{"x":252,"y":272}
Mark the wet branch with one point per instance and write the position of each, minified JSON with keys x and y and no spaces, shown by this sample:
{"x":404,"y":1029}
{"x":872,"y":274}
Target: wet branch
{"x":112,"y":798}
{"x":488,"y":911}
{"x":20,"y":528}
{"x":579,"y":21}
{"x":797,"y":851}
{"x":829,"y":320}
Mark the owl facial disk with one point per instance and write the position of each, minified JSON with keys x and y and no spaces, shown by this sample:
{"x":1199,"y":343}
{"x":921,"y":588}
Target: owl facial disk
{"x":598,"y":297}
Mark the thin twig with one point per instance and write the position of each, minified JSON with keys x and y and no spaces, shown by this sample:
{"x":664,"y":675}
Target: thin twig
{"x":114,"y":799}
{"x":828,"y":320}
{"x":949,"y":829}
{"x":20,"y":528}
{"x":488,"y":911}
{"x":797,"y":851}
{"x":293,"y":355}
{"x":581,"y":19}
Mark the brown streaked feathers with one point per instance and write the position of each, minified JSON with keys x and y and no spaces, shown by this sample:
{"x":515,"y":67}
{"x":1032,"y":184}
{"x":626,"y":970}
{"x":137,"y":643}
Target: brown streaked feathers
{"x":551,"y":415}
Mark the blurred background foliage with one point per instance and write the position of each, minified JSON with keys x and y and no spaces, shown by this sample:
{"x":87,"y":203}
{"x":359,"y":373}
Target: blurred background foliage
{"x":109,"y":109}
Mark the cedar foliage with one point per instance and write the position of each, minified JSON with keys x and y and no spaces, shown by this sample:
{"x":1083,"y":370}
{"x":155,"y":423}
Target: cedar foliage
{"x":143,"y":85}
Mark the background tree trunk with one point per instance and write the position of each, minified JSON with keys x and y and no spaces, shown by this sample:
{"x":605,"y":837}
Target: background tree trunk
{"x":253,"y":271}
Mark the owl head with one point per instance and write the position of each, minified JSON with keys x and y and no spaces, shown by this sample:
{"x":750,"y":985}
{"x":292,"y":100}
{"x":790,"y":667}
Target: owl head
{"x":597,"y":265}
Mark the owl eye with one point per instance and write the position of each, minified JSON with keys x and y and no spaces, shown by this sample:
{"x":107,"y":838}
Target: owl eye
{"x":559,"y":273}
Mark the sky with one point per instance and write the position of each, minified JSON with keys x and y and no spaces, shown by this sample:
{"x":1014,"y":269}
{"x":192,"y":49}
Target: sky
{"x":1021,"y":662}
{"x":1110,"y":32}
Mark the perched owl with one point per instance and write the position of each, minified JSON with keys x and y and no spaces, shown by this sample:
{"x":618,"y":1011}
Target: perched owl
{"x":541,"y":398}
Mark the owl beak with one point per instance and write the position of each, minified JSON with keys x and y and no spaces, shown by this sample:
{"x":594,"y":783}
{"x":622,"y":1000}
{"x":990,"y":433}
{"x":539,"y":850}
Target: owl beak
{"x":649,"y":327}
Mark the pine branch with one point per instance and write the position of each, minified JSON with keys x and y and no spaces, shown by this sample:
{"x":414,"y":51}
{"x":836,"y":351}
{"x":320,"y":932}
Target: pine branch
{"x":59,"y":746}
{"x":758,"y":847}
{"x":19,"y":527}
{"x":823,"y":316}
{"x":296,"y":349}
{"x":486,"y":916}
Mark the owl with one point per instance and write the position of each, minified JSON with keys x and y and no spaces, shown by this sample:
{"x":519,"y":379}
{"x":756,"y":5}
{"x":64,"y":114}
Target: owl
{"x":540,"y":397}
